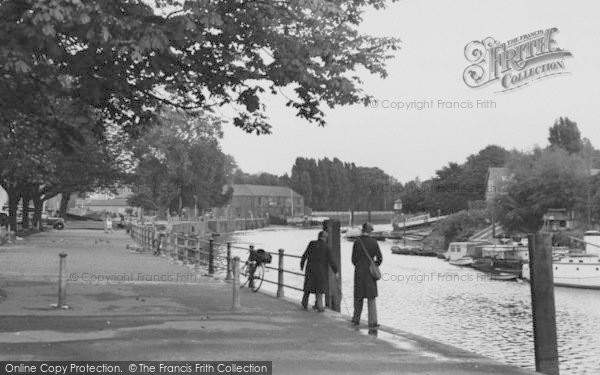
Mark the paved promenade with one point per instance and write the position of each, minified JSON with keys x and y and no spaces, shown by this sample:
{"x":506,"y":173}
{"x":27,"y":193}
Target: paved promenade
{"x":134,"y":306}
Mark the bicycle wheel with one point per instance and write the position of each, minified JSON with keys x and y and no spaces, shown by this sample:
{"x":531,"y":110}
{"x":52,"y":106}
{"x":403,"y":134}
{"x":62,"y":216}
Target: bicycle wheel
{"x":244,"y":275}
{"x":259,"y":274}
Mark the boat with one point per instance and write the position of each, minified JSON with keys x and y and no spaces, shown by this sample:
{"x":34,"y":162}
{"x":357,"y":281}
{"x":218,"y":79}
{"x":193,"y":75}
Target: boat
{"x":401,"y":250}
{"x":463,"y":261}
{"x":483,"y":264}
{"x":577,"y":269}
{"x":503,"y":276}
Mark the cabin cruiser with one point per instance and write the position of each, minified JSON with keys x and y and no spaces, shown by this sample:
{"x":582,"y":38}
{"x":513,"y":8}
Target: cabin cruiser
{"x":578,"y":270}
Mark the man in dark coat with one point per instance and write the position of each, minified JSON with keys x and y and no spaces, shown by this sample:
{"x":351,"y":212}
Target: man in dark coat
{"x":317,"y":257}
{"x":364,"y":284}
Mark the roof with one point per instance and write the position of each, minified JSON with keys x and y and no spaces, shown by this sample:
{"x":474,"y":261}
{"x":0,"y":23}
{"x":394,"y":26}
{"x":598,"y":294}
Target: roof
{"x":117,"y":202}
{"x":240,"y":190}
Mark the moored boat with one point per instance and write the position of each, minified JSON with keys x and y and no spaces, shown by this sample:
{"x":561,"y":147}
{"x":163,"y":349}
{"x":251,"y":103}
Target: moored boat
{"x":503,"y":276}
{"x":577,"y":270}
{"x":464,"y":261}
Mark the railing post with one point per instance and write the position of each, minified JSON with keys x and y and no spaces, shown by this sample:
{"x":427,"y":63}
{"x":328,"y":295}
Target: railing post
{"x":280,"y":275}
{"x":236,"y":283}
{"x":175,"y":253}
{"x":211,"y":257}
{"x":229,"y":275}
{"x":62,"y":282}
{"x":198,"y":253}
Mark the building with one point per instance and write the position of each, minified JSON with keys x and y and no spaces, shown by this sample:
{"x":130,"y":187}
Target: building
{"x":558,"y":219}
{"x":498,"y":179}
{"x":251,"y":201}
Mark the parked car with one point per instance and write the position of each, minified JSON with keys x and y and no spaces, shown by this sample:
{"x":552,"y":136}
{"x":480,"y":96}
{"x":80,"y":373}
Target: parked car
{"x":54,"y":222}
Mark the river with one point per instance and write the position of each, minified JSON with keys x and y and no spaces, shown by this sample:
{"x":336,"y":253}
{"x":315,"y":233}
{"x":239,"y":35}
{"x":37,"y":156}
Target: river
{"x":454,"y":305}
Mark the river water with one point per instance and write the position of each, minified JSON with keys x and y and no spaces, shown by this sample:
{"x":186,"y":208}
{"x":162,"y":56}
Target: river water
{"x":454,"y":305}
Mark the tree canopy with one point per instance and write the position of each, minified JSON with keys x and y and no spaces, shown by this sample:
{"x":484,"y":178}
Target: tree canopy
{"x":127,"y":58}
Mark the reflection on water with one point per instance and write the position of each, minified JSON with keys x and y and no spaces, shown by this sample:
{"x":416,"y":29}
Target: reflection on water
{"x":453,"y":305}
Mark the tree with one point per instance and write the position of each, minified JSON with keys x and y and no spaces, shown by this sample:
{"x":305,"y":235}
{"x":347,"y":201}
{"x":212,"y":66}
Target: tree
{"x":565,"y":134}
{"x":180,"y":164}
{"x":544,"y":179}
{"x":128,"y":58}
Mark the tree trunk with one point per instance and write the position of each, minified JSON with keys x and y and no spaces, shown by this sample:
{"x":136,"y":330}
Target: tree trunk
{"x":38,"y":205}
{"x":13,"y":203}
{"x":64,"y":204}
{"x":26,"y":198}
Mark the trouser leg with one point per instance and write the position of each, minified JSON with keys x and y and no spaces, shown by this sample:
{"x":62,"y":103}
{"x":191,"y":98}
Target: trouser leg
{"x":358,"y":306}
{"x":319,"y":301}
{"x":305,"y":299}
{"x":372,"y":312}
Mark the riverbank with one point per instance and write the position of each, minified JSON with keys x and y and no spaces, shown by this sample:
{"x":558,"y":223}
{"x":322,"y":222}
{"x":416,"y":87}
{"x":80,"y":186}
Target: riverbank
{"x":127,"y":305}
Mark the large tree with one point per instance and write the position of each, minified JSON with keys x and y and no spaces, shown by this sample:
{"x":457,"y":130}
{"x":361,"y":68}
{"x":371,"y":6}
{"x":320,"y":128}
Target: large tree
{"x":180,"y":164}
{"x":565,"y":134}
{"x":127,"y":58}
{"x":543,"y":179}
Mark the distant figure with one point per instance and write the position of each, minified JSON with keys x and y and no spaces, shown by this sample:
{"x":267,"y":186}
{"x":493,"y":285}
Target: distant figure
{"x":108,"y":224}
{"x":364,"y":284}
{"x":317,"y":257}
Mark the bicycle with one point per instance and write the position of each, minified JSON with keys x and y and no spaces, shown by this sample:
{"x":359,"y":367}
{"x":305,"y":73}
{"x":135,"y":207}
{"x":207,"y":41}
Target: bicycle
{"x":157,"y":244}
{"x":253,"y":271}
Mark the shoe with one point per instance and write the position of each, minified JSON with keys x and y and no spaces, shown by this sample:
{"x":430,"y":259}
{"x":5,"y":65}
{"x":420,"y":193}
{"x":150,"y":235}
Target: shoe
{"x":354,"y":322}
{"x":321,"y":310}
{"x":315,"y":307}
{"x":374,"y":325}
{"x":305,"y":307}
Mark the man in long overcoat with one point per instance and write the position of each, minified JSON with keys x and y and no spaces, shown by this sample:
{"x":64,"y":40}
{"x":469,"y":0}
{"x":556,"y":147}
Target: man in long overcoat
{"x":317,"y":257}
{"x":364,"y":284}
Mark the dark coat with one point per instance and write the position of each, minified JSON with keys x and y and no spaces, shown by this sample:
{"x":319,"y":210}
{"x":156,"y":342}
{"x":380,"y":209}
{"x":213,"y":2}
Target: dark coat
{"x":317,"y":257}
{"x":364,"y":285}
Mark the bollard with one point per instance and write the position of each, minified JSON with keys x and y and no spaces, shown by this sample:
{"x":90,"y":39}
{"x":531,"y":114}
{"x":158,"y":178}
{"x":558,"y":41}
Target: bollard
{"x":62,"y":282}
{"x":542,"y":303}
{"x":280,"y":275}
{"x":211,"y":257}
{"x":236,"y":283}
{"x":229,"y":276}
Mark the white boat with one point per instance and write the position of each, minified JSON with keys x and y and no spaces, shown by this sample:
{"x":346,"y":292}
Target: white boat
{"x":464,"y":261}
{"x":577,"y":270}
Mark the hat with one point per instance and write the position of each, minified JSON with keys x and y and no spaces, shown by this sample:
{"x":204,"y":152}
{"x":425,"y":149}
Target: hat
{"x":367,"y":228}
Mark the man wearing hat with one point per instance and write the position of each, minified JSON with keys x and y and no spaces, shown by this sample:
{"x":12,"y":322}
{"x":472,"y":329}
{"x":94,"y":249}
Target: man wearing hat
{"x":364,"y":284}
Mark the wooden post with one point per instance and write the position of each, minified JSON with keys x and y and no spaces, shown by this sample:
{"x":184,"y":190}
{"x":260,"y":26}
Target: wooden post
{"x":280,"y":275}
{"x":211,"y":257}
{"x":542,"y":303}
{"x":175,"y":252}
{"x":236,"y":283}
{"x":62,"y":281}
{"x":229,"y":275}
{"x":197,"y":266}
{"x":334,"y":297}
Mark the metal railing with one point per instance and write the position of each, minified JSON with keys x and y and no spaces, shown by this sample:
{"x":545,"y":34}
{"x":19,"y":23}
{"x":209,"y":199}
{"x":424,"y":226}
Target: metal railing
{"x":199,"y":252}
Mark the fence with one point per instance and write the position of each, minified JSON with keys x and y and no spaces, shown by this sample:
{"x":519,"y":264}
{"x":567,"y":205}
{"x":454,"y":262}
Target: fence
{"x":200,"y":252}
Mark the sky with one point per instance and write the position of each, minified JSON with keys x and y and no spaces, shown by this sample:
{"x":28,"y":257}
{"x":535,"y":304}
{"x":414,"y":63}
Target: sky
{"x":409,"y":143}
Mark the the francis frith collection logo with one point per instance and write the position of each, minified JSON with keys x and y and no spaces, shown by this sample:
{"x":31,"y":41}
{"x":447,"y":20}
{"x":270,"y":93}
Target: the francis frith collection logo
{"x":515,"y":63}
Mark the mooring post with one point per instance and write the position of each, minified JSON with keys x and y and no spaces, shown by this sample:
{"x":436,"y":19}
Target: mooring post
{"x":280,"y":275}
{"x":236,"y":283}
{"x":211,"y":257}
{"x":62,"y":281}
{"x":229,"y":276}
{"x":542,"y":303}
{"x":334,"y":297}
